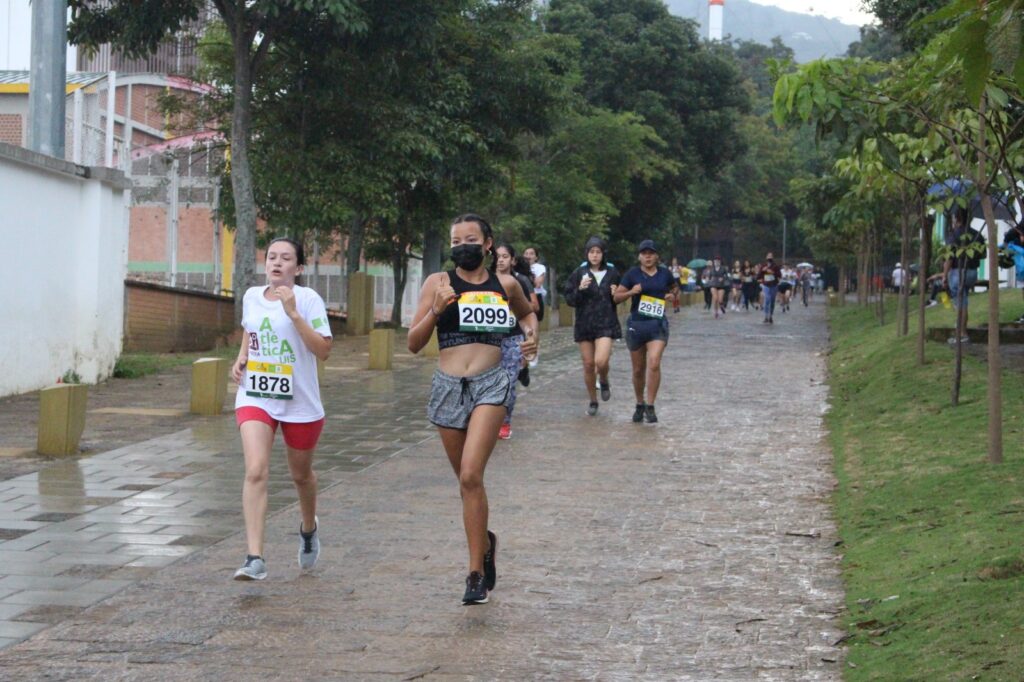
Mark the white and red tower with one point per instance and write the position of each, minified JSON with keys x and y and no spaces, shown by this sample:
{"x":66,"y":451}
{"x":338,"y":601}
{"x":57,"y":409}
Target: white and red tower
{"x":716,"y":8}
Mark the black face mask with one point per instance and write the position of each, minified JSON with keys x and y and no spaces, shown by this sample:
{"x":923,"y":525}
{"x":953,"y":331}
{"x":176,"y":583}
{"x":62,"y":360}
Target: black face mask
{"x":468,"y":256}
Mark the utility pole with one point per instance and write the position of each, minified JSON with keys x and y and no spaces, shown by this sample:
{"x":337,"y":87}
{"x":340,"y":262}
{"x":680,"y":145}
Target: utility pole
{"x":47,"y":77}
{"x":783,"y":239}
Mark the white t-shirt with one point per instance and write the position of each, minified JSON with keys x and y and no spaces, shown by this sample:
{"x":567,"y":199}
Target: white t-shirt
{"x":537,"y":270}
{"x":897,"y":277}
{"x":280,"y":376}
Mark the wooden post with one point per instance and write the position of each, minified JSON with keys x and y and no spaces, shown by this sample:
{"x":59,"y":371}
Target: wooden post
{"x":209,"y":386}
{"x":320,"y":372}
{"x":545,"y":324}
{"x":360,"y":304}
{"x":382,"y":348}
{"x":61,"y":419}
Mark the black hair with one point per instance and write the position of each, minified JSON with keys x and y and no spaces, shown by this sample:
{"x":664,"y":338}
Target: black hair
{"x":520,"y":265}
{"x":599,"y":243}
{"x":485,"y":227}
{"x":300,"y":253}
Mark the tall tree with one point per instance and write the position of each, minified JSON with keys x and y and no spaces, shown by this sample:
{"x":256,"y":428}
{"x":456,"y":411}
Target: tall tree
{"x":137,"y":27}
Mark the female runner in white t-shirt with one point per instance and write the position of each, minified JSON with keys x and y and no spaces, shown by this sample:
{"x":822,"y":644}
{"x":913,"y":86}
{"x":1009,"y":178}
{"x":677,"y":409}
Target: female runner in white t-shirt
{"x":285,"y":331}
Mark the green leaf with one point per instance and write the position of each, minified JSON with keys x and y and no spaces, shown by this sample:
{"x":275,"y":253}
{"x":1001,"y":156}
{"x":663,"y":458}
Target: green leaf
{"x":889,"y":152}
{"x":976,"y":58}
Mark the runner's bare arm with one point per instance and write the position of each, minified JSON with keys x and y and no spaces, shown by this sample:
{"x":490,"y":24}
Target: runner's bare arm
{"x":621,"y":293}
{"x":243,"y":357}
{"x":435,"y":296}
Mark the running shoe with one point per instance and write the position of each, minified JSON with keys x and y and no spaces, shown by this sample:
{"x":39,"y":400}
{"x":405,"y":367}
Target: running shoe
{"x":963,"y":339}
{"x":592,"y":409}
{"x":606,"y":392}
{"x":649,"y":415}
{"x":505,"y":432}
{"x":490,"y":570}
{"x":524,"y":376}
{"x":309,"y":545}
{"x":771,"y":320}
{"x":254,"y":568}
{"x":638,"y":414}
{"x":476,"y":590}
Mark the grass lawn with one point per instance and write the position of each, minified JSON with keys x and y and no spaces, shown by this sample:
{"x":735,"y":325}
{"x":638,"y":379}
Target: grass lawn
{"x":134,"y":365}
{"x":933,"y":535}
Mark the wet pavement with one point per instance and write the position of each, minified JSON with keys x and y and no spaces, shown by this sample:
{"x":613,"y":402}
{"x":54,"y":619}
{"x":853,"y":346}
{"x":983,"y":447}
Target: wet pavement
{"x":698,"y":548}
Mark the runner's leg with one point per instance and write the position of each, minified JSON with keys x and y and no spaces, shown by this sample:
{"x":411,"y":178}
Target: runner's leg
{"x":300,"y":464}
{"x":655,"y":349}
{"x":602,"y":357}
{"x":589,"y":372}
{"x":257,"y":440}
{"x":468,"y":452}
{"x":639,"y":360}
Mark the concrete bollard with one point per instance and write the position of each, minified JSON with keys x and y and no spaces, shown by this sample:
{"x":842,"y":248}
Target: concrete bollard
{"x":61,"y":419}
{"x":209,"y":386}
{"x":382,"y":348}
{"x":360,"y":304}
{"x":431,"y":350}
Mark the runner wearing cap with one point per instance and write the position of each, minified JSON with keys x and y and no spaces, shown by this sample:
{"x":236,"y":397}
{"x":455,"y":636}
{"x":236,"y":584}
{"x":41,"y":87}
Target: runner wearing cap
{"x":589,"y":290}
{"x":650,"y":286}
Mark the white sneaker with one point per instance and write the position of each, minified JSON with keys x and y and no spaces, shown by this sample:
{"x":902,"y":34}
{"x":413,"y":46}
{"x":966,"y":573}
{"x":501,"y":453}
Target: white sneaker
{"x":254,"y":568}
{"x":309,"y":545}
{"x":533,"y":363}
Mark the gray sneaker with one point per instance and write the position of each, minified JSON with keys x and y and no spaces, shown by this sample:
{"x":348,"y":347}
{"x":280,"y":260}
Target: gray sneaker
{"x":309,"y":545}
{"x":254,"y":568}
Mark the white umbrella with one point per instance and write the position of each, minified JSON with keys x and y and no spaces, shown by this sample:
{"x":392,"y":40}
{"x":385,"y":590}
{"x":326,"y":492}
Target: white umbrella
{"x":805,"y":265}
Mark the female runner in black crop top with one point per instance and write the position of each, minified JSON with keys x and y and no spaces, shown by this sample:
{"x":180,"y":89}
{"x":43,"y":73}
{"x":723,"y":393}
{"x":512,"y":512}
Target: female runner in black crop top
{"x":472,"y":309}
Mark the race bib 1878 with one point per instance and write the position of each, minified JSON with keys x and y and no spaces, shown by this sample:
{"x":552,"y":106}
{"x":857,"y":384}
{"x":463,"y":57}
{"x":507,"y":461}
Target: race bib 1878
{"x":269,"y":380}
{"x":484,"y":311}
{"x":651,"y":306}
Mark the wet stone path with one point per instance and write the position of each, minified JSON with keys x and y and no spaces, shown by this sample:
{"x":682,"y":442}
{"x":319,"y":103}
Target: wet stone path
{"x":698,"y":548}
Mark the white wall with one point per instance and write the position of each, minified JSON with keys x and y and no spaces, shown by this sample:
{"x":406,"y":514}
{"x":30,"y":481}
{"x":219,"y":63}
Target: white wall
{"x":63,"y":260}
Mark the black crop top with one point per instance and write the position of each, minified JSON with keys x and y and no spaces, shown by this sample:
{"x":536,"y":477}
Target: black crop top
{"x":479,"y":314}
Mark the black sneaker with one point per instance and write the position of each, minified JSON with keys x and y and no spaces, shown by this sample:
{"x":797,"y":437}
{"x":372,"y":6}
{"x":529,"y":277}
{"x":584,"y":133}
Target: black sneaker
{"x":638,"y":413}
{"x":476,"y":590}
{"x":606,"y":392}
{"x":649,"y":415}
{"x":592,"y":409}
{"x":524,"y":376}
{"x":490,"y":570}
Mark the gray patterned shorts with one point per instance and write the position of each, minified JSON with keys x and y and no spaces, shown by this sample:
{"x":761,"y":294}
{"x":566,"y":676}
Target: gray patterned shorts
{"x":453,"y":399}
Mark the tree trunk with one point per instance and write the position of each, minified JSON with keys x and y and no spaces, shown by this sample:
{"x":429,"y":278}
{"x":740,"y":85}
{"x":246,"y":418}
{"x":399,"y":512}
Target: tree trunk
{"x":961,"y":327}
{"x":433,"y":248}
{"x":904,"y":293}
{"x":244,"y":275}
{"x":923,"y":272}
{"x":400,"y":273}
{"x":354,"y":248}
{"x":995,"y":388}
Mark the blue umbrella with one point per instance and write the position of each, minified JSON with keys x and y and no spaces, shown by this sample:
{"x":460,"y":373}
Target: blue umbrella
{"x":697,"y":263}
{"x":958,"y":187}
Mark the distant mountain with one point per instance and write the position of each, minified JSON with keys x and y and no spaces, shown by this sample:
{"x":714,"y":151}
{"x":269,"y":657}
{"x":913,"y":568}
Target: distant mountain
{"x":811,"y":37}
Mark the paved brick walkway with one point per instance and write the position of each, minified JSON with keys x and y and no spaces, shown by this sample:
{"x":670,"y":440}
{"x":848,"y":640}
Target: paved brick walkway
{"x":699,"y":548}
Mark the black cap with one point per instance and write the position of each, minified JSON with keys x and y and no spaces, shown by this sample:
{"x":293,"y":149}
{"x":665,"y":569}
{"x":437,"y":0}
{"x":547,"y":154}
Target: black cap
{"x":647,"y":245}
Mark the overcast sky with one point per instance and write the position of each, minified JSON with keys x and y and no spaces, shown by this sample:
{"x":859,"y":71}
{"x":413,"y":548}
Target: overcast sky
{"x":16,"y":24}
{"x":848,"y":11}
